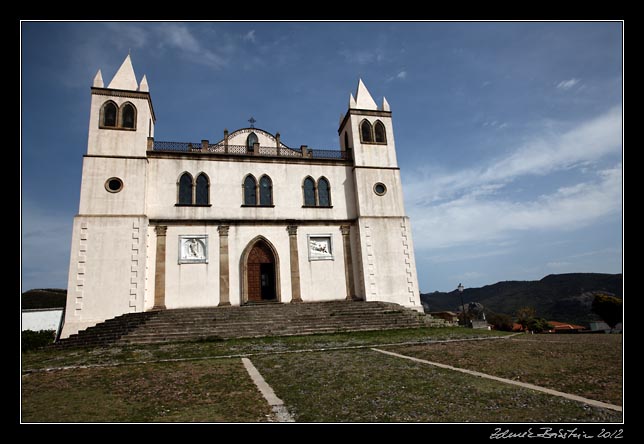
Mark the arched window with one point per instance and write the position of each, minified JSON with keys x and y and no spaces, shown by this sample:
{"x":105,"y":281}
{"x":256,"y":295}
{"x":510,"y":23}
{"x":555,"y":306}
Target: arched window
{"x":128,"y":116}
{"x":324,"y":194}
{"x":309,"y":192}
{"x":250,"y":190}
{"x":365,"y":131}
{"x":346,"y":141}
{"x":251,"y":140}
{"x":381,"y":133}
{"x":201,"y":190}
{"x":265,"y":191}
{"x":185,"y":189}
{"x":109,"y":114}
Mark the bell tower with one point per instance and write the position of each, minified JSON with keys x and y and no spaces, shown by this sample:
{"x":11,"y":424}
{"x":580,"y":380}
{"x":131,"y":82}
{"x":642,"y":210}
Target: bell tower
{"x":384,"y":233}
{"x":108,"y":251}
{"x":121,"y":115}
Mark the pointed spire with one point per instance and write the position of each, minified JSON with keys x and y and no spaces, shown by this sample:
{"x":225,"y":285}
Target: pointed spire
{"x":143,"y":87}
{"x":98,"y":80}
{"x":124,"y":77}
{"x":364,"y":99}
{"x":385,"y":104}
{"x":352,"y":102}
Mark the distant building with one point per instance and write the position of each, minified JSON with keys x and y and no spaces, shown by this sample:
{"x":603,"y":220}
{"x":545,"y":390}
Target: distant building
{"x":42,"y":319}
{"x":245,"y":219}
{"x":563,"y":327}
{"x":602,"y":326}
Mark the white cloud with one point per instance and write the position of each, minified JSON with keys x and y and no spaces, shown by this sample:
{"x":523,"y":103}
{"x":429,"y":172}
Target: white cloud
{"x":178,"y":36}
{"x":402,"y":75}
{"x":471,"y":206}
{"x":567,"y":84}
{"x":544,"y":154}
{"x":474,"y":218}
{"x":249,"y":36}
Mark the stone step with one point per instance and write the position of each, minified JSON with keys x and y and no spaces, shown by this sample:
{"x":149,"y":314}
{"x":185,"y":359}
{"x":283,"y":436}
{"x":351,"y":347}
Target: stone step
{"x":267,"y":319}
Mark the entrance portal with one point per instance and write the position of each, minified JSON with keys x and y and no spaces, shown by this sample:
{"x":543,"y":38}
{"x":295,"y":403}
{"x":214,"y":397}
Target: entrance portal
{"x":260,"y":276}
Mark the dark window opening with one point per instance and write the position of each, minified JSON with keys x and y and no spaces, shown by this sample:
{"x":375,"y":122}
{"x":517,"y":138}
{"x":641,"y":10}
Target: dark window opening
{"x":109,"y":114}
{"x":324,"y":197}
{"x":365,"y":131}
{"x":265,"y":191}
{"x":250,"y":191}
{"x":185,"y":189}
{"x":114,"y":185}
{"x":381,"y":134}
{"x":309,"y":192}
{"x":128,"y":116}
{"x":252,"y":140}
{"x":201,"y":192}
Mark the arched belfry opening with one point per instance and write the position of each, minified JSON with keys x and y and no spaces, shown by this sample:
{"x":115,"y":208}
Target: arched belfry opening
{"x":260,"y":272}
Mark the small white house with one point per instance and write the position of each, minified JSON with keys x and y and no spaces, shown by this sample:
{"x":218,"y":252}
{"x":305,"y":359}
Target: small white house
{"x":41,"y":319}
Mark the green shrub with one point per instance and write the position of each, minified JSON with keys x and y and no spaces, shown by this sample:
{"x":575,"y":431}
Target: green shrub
{"x":500,"y":321}
{"x":32,"y":340}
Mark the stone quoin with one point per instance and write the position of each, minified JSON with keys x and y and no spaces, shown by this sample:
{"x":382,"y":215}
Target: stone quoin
{"x":246,"y":218}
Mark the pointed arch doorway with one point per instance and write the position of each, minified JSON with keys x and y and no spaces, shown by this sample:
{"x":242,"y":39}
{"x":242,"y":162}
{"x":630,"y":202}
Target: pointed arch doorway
{"x":260,"y":272}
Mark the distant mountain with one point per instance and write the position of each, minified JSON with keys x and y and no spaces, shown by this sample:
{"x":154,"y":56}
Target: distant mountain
{"x":556,"y":297}
{"x":44,"y":298}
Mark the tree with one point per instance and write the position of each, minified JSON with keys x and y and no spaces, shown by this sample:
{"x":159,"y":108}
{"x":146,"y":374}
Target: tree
{"x":524,"y":315}
{"x":538,"y":325}
{"x":500,"y":321}
{"x":609,"y":308}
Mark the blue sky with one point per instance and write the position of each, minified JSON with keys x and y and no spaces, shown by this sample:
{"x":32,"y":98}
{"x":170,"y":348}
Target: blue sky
{"x":508,"y":135}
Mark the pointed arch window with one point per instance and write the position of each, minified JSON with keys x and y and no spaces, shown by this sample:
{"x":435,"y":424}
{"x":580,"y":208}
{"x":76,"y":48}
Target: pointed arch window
{"x":202,"y":192}
{"x":380,"y":132}
{"x":265,"y":191}
{"x":309,"y":192}
{"x":251,"y":140}
{"x":128,"y":116}
{"x":185,"y":189}
{"x":108,"y":115}
{"x":366,"y":133}
{"x":324,"y":193}
{"x":250,"y":190}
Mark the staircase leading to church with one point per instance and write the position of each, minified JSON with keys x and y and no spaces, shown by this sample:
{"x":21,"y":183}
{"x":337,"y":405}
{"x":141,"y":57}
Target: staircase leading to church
{"x":257,"y":320}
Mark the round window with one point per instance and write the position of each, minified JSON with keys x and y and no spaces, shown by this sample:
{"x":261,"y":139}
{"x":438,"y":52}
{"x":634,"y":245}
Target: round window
{"x":114,"y":185}
{"x":380,"y":189}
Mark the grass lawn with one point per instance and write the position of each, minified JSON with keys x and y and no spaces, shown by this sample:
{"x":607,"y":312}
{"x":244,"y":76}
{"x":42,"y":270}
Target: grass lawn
{"x":197,"y":391}
{"x":584,"y":365}
{"x":356,"y":385}
{"x":367,"y":386}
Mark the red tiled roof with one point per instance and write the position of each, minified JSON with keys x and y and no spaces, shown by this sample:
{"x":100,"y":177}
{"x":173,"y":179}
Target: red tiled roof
{"x":565,"y":326}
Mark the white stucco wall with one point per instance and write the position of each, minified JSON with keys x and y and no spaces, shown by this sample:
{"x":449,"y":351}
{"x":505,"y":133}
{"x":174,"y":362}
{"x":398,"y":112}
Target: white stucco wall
{"x":119,"y":142}
{"x":388,"y":261}
{"x":41,"y":319}
{"x":371,"y":154}
{"x":321,"y":280}
{"x":95,"y":199}
{"x":107,"y":270}
{"x":226,"y":198}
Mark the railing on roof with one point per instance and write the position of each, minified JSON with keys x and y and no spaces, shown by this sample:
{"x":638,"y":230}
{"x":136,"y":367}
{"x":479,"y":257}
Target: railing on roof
{"x":242,"y":150}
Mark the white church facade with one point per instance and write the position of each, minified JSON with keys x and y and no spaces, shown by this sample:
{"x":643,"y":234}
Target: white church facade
{"x":244,"y":219}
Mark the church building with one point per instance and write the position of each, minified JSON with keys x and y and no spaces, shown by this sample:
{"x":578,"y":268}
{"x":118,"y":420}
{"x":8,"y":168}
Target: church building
{"x":241,"y":220}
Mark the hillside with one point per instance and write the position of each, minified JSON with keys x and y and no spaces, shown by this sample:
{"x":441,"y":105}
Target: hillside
{"x":557,"y":297}
{"x":44,"y":298}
